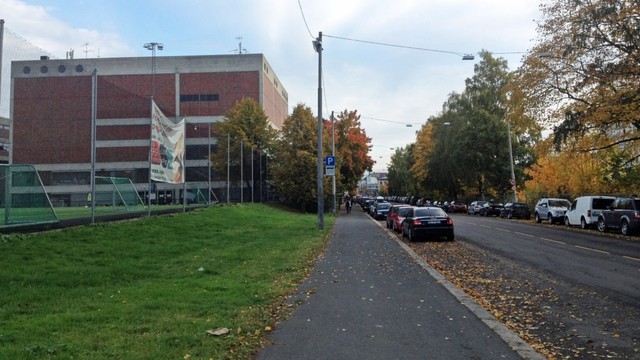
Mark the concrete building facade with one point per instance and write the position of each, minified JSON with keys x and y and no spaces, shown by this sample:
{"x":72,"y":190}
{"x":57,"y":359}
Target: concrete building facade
{"x":51,"y":112}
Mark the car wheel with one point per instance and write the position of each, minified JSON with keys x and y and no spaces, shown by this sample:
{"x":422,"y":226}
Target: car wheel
{"x":410,"y":235}
{"x":550,"y":218}
{"x":602,"y":227}
{"x":538,"y":220}
{"x":624,"y":227}
{"x":583,"y":223}
{"x":509,"y":216}
{"x":450,"y":236}
{"x":566,"y":221}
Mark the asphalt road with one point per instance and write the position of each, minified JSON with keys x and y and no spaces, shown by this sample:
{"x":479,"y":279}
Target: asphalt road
{"x":608,"y":264}
{"x":369,"y":298}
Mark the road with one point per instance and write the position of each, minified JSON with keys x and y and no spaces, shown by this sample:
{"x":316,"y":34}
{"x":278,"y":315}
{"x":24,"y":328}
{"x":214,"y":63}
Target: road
{"x":610,"y":264}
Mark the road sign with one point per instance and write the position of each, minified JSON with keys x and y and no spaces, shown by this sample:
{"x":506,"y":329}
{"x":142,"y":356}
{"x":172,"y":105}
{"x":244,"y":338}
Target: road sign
{"x":330,"y":171}
{"x":330,"y":161}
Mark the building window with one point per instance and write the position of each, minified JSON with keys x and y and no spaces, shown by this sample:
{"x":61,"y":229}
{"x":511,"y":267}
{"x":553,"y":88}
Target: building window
{"x":62,"y":69}
{"x":199,"y":97}
{"x":26,"y":70}
{"x":79,"y":68}
{"x":44,"y":69}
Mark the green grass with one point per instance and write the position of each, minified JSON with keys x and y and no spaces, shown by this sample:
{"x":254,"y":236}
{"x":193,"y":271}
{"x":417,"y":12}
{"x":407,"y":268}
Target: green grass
{"x":152,"y":287}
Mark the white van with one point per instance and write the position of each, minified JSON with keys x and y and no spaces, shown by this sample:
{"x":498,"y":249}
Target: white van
{"x":584,"y":211}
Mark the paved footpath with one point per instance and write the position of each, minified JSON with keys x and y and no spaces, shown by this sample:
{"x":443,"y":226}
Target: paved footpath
{"x":371,"y":297}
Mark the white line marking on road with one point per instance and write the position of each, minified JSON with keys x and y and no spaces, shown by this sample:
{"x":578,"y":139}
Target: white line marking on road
{"x":591,"y":249}
{"x":523,"y":234}
{"x":555,"y":241}
{"x":631,"y":258}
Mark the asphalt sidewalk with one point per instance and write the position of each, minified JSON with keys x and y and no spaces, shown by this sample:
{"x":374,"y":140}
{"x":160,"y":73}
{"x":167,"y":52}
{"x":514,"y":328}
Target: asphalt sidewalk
{"x":371,"y":297}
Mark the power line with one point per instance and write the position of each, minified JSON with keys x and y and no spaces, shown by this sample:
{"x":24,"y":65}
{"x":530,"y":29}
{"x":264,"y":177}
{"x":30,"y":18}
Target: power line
{"x":305,"y":20}
{"x":396,"y":45}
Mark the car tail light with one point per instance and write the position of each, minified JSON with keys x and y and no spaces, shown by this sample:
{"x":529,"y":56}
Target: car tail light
{"x":416,"y":222}
{"x":636,"y":215}
{"x":449,"y":221}
{"x":589,"y":213}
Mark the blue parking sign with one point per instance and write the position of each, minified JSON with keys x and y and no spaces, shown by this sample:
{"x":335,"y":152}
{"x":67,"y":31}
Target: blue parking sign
{"x":330,"y":161}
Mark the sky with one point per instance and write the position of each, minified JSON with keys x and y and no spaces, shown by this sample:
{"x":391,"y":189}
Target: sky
{"x":391,"y":87}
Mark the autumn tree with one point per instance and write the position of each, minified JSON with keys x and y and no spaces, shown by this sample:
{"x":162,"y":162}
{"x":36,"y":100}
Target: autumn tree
{"x":293,"y":169}
{"x":352,"y":149}
{"x":582,"y":79}
{"x":245,"y":128}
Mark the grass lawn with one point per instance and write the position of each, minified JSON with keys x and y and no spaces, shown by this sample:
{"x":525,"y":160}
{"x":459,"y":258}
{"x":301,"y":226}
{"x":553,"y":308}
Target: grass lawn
{"x":151,"y":288}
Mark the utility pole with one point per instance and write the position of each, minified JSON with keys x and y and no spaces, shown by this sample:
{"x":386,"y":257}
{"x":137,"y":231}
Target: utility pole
{"x":317,"y":45}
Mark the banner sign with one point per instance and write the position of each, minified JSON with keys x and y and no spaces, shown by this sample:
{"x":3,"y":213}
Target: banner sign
{"x":167,"y":148}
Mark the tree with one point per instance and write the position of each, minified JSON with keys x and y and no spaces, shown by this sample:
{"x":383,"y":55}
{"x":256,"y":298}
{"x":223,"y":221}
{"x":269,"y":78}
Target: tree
{"x":582,"y":78}
{"x":352,"y":149}
{"x":294,"y":168}
{"x":400,"y":178}
{"x":247,"y":127}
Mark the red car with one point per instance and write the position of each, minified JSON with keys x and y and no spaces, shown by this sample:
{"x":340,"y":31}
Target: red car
{"x":399,"y":218}
{"x":396,"y":216}
{"x":457,"y":207}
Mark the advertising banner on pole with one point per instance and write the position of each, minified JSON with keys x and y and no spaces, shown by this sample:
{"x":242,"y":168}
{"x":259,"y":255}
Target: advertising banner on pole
{"x":167,"y":148}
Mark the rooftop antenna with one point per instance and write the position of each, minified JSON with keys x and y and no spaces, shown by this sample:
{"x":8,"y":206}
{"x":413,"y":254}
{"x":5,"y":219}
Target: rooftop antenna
{"x":70,"y":54}
{"x":86,"y":50}
{"x":240,"y":49}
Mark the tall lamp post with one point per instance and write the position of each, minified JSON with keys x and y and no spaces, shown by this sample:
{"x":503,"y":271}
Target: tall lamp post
{"x":513,"y":174}
{"x":333,"y":153}
{"x":317,"y":46}
{"x":152,"y":46}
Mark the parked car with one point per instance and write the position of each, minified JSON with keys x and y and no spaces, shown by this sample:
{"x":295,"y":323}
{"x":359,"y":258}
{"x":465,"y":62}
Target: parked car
{"x":515,"y":210}
{"x":490,"y":209}
{"x":585,"y":210}
{"x":551,"y":209}
{"x":395,"y":219}
{"x":425,"y":222}
{"x":475,"y":206}
{"x":391,"y":215}
{"x":623,"y":214}
{"x":366,"y":205}
{"x":379,"y":210}
{"x":457,"y":207}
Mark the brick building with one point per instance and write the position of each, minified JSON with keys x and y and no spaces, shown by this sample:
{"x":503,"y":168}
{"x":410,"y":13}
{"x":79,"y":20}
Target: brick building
{"x":51,"y":105}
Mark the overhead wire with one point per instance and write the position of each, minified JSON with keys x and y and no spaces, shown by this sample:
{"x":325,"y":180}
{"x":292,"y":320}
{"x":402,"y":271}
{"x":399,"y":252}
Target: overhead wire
{"x":395,"y":45}
{"x":305,"y":19}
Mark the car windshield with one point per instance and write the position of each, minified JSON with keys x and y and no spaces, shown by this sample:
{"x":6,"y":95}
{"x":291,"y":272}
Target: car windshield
{"x":636,"y":202}
{"x":559,"y":203}
{"x":383,"y":206}
{"x":517,"y":205}
{"x":429,"y":212}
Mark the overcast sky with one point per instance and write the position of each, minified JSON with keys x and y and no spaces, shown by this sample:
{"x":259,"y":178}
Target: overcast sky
{"x":390,"y":86}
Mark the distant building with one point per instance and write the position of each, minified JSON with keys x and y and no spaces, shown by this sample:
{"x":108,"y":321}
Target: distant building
{"x":51,"y":102}
{"x":4,"y":140}
{"x":372,"y":183}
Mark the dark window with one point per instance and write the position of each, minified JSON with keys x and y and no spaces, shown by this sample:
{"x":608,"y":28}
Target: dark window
{"x":199,"y":97}
{"x":44,"y":69}
{"x":62,"y":69}
{"x":26,"y":70}
{"x":79,"y":68}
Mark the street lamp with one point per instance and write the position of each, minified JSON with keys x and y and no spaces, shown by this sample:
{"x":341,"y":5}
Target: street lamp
{"x":152,"y":46}
{"x":317,"y":46}
{"x":513,"y":174}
